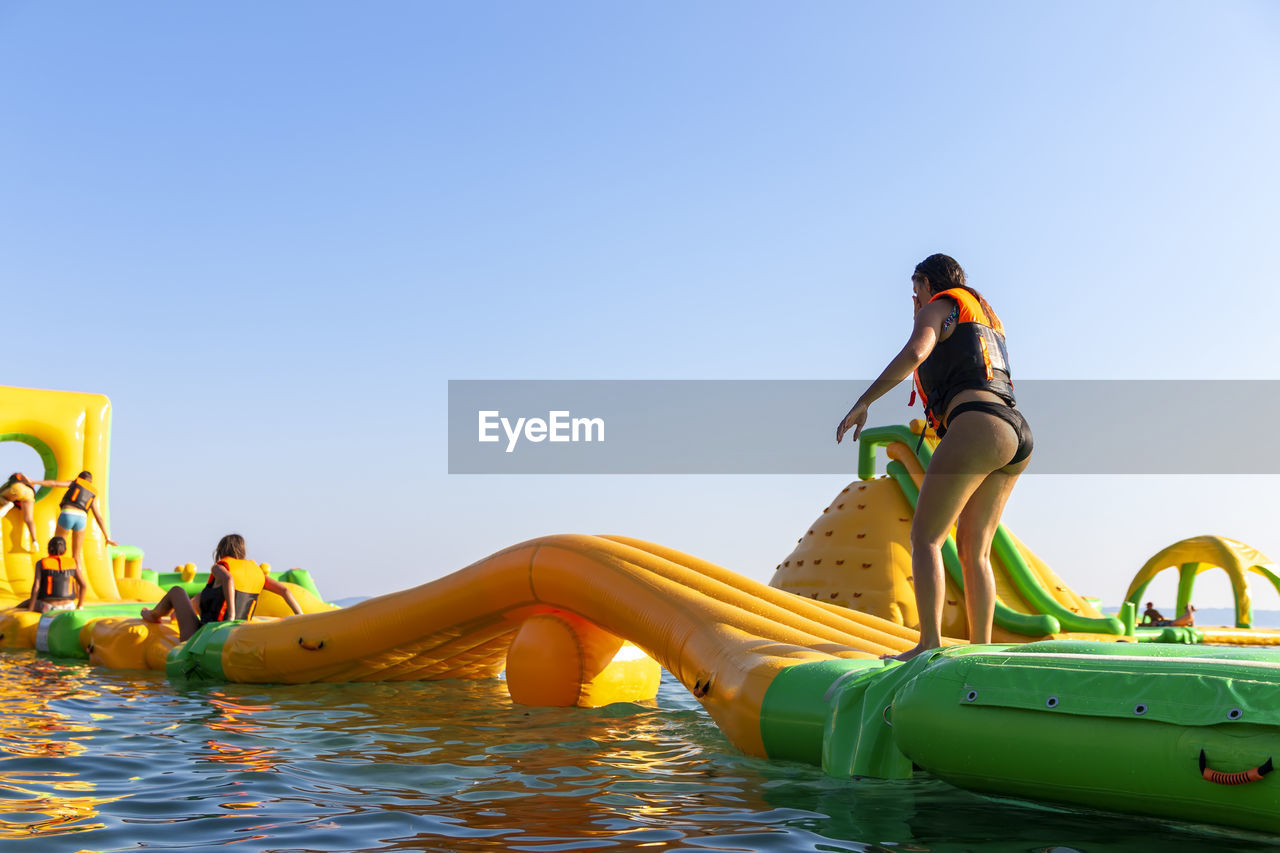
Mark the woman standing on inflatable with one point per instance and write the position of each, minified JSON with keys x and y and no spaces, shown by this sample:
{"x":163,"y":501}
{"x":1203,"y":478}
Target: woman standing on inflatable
{"x":73,"y":514}
{"x":961,"y":367}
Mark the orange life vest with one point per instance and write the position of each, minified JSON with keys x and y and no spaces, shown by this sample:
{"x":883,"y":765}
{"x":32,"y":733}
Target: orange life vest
{"x":56,"y":577}
{"x":249,"y":580}
{"x":974,"y":356}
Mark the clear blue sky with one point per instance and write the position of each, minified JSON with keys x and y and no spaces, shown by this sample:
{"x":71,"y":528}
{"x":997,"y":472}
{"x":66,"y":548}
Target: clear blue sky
{"x":272,"y":232}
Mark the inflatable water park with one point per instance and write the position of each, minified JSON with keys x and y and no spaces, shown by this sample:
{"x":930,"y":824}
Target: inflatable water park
{"x":1068,"y":706}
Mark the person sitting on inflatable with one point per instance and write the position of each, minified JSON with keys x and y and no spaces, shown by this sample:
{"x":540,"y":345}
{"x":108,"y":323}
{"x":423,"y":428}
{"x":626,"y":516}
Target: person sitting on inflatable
{"x":76,"y":505}
{"x":55,"y":576}
{"x":231,"y":593}
{"x":20,"y":492}
{"x":1151,"y":616}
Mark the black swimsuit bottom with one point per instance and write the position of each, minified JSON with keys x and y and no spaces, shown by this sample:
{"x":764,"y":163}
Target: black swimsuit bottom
{"x":1009,"y":415}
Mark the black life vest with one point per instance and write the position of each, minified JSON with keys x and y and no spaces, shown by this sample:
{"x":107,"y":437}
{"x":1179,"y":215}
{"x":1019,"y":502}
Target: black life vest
{"x":249,"y":580}
{"x":56,"y":578}
{"x":974,"y":356}
{"x":78,"y":495}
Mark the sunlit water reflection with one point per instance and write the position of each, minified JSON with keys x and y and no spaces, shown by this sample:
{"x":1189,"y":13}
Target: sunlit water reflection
{"x":103,"y":760}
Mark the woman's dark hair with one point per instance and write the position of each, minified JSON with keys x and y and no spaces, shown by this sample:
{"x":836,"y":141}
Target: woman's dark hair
{"x":944,"y":272}
{"x":86,"y":475}
{"x":57,"y":546}
{"x":231,"y":545}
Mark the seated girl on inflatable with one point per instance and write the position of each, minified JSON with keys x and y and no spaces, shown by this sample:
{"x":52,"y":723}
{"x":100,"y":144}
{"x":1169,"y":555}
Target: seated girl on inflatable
{"x":231,"y":593}
{"x":59,"y":583}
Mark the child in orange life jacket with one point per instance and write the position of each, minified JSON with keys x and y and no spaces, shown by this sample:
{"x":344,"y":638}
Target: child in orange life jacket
{"x":56,"y":575}
{"x":76,"y":505}
{"x":958,"y":356}
{"x":20,"y":492}
{"x":231,"y":593}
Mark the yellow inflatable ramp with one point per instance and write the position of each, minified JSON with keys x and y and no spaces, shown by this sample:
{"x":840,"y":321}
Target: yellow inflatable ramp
{"x":725,"y":637}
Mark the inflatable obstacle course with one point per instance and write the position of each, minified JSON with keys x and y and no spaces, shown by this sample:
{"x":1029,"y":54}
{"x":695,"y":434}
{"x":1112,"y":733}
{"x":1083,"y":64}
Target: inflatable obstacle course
{"x":1188,"y":731}
{"x":71,"y":432}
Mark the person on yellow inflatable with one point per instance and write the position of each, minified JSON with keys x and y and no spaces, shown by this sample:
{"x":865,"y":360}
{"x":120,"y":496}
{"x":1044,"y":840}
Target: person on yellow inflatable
{"x":961,"y":366}
{"x":231,"y":592}
{"x":20,"y":492}
{"x":76,"y":505}
{"x":59,"y":584}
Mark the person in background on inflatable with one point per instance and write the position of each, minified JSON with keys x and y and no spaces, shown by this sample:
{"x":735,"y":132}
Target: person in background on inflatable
{"x":961,"y":367}
{"x":55,"y":577}
{"x":231,"y":592}
{"x":20,"y":492}
{"x":1151,"y":616}
{"x":76,"y":505}
{"x":1155,"y":619}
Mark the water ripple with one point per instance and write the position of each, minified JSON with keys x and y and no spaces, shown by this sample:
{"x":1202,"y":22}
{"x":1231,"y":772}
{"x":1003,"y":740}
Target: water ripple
{"x":102,"y":760}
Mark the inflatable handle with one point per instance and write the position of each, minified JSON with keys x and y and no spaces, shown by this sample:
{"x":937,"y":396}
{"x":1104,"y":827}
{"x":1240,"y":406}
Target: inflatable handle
{"x":1026,"y":624}
{"x":875,"y":437}
{"x":1244,"y":777}
{"x":309,"y":645}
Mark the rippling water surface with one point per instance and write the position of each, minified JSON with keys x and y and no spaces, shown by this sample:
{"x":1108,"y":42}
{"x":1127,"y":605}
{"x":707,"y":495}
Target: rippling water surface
{"x":92,"y":759}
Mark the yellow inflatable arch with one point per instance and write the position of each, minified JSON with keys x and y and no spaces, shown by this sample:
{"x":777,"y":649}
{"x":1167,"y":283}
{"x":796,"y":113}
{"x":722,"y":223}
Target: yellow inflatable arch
{"x":1202,"y":553}
{"x":71,"y":432}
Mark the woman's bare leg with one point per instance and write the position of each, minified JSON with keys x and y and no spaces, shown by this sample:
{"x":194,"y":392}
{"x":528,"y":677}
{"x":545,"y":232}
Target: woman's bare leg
{"x":184,"y":610}
{"x":29,"y":516}
{"x":975,"y":529}
{"x":973,"y":448}
{"x":181,"y":605}
{"x":77,"y":547}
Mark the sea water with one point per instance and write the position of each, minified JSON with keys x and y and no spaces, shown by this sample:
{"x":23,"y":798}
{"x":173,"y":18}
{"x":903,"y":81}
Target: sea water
{"x":95,"y":759}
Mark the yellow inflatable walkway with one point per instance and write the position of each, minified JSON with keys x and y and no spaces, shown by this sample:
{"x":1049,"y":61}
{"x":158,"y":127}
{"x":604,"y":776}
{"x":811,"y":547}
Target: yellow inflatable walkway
{"x":725,"y":637}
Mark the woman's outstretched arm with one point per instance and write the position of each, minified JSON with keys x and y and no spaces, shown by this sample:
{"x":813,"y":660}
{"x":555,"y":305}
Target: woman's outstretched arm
{"x":924,"y":337}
